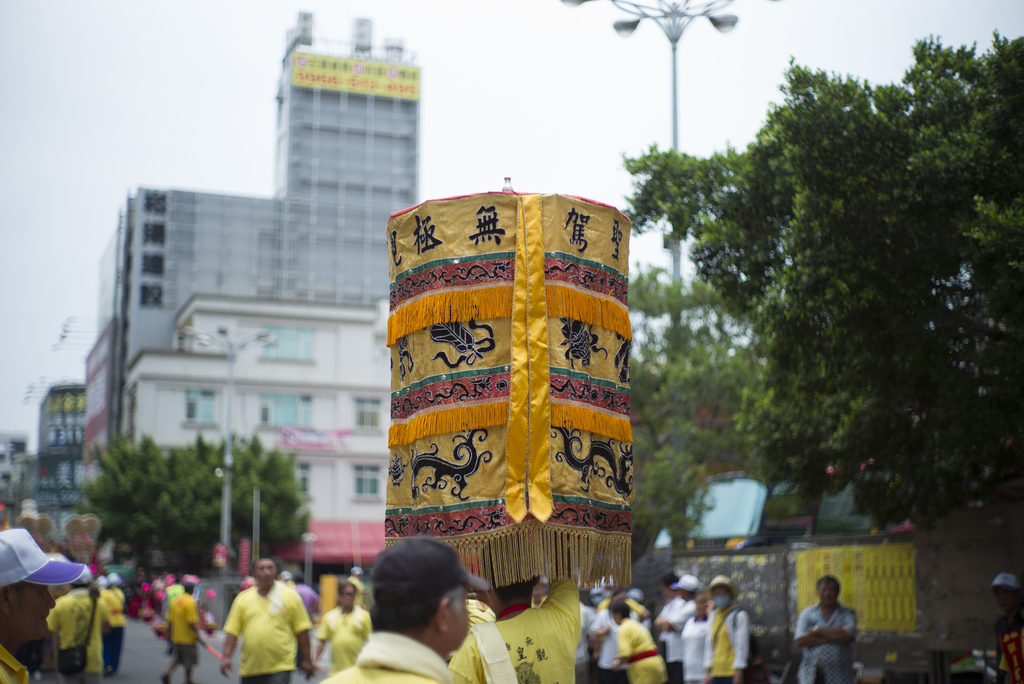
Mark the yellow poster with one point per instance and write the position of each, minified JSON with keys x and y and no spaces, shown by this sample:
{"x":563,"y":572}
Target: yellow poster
{"x":877,"y":582}
{"x":356,"y":76}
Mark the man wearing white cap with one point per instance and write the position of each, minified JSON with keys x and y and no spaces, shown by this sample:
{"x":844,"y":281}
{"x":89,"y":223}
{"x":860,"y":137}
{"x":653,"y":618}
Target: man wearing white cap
{"x":1006,"y":590}
{"x":679,"y":607}
{"x":25,"y":601}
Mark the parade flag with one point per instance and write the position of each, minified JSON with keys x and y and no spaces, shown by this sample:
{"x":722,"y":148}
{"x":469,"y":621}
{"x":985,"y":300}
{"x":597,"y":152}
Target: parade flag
{"x":509,"y":333}
{"x":1012,"y":645}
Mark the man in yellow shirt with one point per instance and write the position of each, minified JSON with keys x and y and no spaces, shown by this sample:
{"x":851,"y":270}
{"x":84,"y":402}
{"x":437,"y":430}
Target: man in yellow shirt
{"x":636,"y":649}
{"x":184,"y":634}
{"x":419,"y":615}
{"x":25,"y":601}
{"x":69,"y":621}
{"x":525,"y":644}
{"x":272,"y":623}
{"x":346,"y":627}
{"x":113,"y":641}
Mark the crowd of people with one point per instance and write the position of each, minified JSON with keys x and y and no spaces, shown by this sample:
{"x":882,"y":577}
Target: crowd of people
{"x":428,"y":620}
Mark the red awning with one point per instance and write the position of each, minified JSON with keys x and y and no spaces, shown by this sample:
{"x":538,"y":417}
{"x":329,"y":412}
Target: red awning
{"x":338,"y":542}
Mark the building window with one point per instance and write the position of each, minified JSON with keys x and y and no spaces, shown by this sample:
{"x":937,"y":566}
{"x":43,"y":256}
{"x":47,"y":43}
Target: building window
{"x":290,"y":344}
{"x":302,"y":477}
{"x":153,"y":234}
{"x":153,"y":264}
{"x":368,"y":414}
{"x":286,"y":410}
{"x":366,"y":478}
{"x":199,"y":406}
{"x":152,"y":295}
{"x":156,"y":202}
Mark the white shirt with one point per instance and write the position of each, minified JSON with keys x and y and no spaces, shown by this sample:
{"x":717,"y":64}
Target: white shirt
{"x":693,"y":636}
{"x":610,"y":643}
{"x":676,"y":612}
{"x":587,"y":616}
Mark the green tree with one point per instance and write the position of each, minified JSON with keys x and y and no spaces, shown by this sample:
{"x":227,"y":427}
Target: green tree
{"x":151,"y":500}
{"x":692,"y":363}
{"x":876,"y":237}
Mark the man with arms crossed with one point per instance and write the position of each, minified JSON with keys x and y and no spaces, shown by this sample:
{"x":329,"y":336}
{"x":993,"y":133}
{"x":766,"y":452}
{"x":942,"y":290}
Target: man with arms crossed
{"x":825,"y":631}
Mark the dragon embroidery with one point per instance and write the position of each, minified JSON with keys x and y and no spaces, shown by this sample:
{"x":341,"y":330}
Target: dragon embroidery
{"x":466,"y":461}
{"x":617,"y":470}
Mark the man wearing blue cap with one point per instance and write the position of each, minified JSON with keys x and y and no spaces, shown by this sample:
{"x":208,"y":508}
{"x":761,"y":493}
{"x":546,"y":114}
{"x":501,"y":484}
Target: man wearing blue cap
{"x":25,"y":601}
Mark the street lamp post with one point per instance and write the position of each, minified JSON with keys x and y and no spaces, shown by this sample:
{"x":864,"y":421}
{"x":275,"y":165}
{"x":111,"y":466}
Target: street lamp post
{"x":231,"y":349}
{"x":309,"y":538}
{"x":672,"y":17}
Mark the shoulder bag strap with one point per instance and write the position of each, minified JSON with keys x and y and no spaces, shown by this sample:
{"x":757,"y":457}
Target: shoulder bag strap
{"x":493,"y":654}
{"x":88,"y":630}
{"x":714,"y":639}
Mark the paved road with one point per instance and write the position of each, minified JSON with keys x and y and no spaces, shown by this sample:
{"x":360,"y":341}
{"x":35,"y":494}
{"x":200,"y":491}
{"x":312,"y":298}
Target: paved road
{"x":145,"y":659}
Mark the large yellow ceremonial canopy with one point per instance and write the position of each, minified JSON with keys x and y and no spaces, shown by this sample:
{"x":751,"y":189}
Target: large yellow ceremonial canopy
{"x":509,"y":333}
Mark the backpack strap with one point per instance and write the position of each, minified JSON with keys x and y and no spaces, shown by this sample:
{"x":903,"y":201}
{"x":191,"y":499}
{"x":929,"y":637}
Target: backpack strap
{"x":493,"y":654}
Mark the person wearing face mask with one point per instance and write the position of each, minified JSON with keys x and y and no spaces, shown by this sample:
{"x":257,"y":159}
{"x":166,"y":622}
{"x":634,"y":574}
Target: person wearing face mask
{"x":728,"y":640}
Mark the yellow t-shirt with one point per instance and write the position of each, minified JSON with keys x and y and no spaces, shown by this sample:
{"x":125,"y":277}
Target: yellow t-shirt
{"x":634,"y":639}
{"x":115,"y":599}
{"x":11,"y":671}
{"x":267,"y":627}
{"x":347,"y":634}
{"x":70,"y":619}
{"x":722,"y":653}
{"x":183,"y":613}
{"x":541,"y":641}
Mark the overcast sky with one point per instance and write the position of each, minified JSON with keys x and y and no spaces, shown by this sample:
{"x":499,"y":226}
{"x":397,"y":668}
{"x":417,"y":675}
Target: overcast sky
{"x":99,"y":97}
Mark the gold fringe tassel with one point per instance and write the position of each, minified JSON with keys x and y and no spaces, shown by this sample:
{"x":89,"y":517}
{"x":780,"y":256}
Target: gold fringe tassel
{"x":449,"y":306}
{"x":521,"y":552}
{"x":566,"y":302}
{"x":571,"y":416}
{"x":444,"y":421}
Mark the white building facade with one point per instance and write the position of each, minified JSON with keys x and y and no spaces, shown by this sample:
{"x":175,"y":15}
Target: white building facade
{"x":320,"y":391}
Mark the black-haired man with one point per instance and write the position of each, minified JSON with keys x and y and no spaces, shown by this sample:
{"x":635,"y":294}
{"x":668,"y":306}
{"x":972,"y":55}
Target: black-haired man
{"x":419,"y":615}
{"x":525,"y":644}
{"x":825,"y":631}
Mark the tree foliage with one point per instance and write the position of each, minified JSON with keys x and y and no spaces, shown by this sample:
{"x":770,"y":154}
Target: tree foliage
{"x":876,"y":237}
{"x":691,"y":365}
{"x":172,"y":502}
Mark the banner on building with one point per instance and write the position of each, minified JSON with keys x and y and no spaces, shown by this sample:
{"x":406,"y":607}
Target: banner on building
{"x":363,"y":76}
{"x":877,"y":582}
{"x":311,"y":439}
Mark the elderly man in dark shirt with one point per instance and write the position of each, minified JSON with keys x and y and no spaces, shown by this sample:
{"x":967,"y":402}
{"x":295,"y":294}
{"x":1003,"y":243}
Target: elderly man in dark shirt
{"x":826,"y":631}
